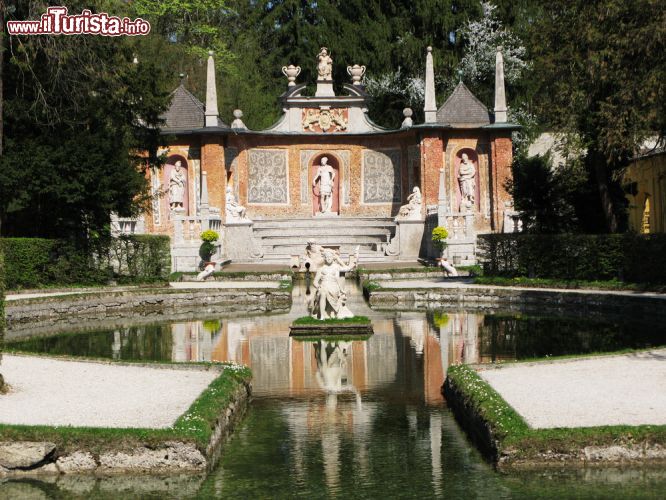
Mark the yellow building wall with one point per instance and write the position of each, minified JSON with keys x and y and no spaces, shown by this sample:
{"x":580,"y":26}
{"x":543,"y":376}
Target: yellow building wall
{"x":645,"y":179}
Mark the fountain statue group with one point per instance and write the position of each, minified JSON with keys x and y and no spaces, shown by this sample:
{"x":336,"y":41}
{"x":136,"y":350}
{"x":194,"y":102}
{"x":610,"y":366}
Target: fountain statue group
{"x":329,"y":300}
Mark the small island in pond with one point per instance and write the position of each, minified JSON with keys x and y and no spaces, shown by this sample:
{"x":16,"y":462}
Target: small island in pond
{"x":308,"y":326}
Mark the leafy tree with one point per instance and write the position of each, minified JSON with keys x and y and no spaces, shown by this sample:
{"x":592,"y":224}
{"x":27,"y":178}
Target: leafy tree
{"x":546,"y":196}
{"x":77,"y":111}
{"x":601,"y":70}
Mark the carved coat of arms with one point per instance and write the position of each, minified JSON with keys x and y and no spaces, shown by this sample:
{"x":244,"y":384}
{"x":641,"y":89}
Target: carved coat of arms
{"x":324,"y":120}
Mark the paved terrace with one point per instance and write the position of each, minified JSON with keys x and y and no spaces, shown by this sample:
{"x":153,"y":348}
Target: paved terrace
{"x":628,"y":389}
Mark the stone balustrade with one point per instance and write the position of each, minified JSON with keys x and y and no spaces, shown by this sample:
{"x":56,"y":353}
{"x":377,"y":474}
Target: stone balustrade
{"x":188,"y":228}
{"x":127,"y":225}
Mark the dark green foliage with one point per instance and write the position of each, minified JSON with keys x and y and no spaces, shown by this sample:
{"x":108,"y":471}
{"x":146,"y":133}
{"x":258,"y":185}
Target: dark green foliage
{"x":601,"y":71}
{"x":386,"y":36}
{"x":631,"y":257}
{"x":2,"y":313}
{"x":37,"y":262}
{"x":77,"y":111}
{"x":545,"y":196}
{"x":206,"y":250}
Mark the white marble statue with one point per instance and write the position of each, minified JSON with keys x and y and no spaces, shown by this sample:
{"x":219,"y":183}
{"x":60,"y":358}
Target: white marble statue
{"x":330,"y":299}
{"x":208,"y":271}
{"x":413,"y":208}
{"x":467,"y":180}
{"x":324,"y":65}
{"x":234,"y":211}
{"x":449,"y":270}
{"x":326,"y":177}
{"x":314,"y":256}
{"x":177,"y":183}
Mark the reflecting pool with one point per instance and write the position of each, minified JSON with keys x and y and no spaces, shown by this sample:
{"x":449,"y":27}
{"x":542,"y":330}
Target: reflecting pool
{"x":357,"y":419}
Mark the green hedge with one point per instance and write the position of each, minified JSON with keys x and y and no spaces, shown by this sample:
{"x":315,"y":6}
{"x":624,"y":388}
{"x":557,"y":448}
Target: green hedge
{"x":2,"y":315}
{"x":628,"y":257}
{"x":37,"y":262}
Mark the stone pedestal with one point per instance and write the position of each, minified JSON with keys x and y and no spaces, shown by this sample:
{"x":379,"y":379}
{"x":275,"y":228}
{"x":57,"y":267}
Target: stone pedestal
{"x":324,"y":88}
{"x":410,"y":234}
{"x":239,"y":244}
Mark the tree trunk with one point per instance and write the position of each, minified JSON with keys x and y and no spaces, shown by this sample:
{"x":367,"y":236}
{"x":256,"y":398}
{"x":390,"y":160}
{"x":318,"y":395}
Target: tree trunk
{"x":607,"y":206}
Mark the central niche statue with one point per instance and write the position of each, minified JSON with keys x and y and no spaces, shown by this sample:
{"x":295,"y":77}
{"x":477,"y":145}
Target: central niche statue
{"x":324,"y":65}
{"x":330,"y":299}
{"x":176,"y":187}
{"x":466,"y":178}
{"x":326,"y":176}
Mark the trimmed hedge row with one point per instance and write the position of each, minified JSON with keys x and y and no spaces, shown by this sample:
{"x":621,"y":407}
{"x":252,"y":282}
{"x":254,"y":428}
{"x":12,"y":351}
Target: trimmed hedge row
{"x":628,"y":257}
{"x":37,"y":262}
{"x":2,"y":315}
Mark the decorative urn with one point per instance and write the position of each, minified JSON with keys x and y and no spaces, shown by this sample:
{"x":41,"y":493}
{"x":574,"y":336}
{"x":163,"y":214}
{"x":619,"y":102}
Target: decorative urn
{"x":291,"y":72}
{"x":356,"y":72}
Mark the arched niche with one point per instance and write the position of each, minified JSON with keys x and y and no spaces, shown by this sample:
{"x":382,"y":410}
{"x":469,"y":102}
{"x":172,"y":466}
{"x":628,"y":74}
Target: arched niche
{"x":464,"y":160}
{"x":176,"y":184}
{"x":334,"y":162}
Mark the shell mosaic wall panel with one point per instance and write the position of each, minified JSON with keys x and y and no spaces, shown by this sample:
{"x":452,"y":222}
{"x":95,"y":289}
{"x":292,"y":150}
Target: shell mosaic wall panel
{"x":381,"y":176}
{"x":268,"y":181}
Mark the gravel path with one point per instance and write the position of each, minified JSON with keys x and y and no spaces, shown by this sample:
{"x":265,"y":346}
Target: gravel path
{"x":57,"y":392}
{"x":609,"y":390}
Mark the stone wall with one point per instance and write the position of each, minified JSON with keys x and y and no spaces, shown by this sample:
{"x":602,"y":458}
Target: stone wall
{"x":352,"y":157}
{"x":95,"y":304}
{"x":502,"y":297}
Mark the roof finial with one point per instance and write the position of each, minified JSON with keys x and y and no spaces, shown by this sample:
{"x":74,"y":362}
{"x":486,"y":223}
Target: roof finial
{"x":460,"y":75}
{"x":181,"y":76}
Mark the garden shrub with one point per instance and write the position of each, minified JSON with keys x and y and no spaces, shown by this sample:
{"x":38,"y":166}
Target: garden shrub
{"x":629,"y":257}
{"x":2,"y":314}
{"x":37,"y":262}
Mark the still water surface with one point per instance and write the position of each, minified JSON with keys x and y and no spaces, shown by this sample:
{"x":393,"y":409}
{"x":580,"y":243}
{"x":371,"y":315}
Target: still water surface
{"x":361,"y":419}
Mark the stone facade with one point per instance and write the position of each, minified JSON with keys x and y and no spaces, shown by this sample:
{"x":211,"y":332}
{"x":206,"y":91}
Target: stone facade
{"x":271,"y":171}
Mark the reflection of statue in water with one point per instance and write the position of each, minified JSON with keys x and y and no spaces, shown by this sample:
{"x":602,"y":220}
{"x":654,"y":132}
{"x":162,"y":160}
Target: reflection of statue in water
{"x":324,"y":65}
{"x":413,"y":208}
{"x":235,"y":211}
{"x":330,"y":300}
{"x":466,"y":178}
{"x":331,"y":373}
{"x":176,"y":186}
{"x":326,"y":176}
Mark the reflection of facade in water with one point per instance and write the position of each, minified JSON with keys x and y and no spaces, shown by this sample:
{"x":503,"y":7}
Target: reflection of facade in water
{"x":191,"y":342}
{"x":283,"y":365}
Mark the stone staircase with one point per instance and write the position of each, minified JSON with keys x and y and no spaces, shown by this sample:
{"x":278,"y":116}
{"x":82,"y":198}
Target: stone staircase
{"x":280,"y":239}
